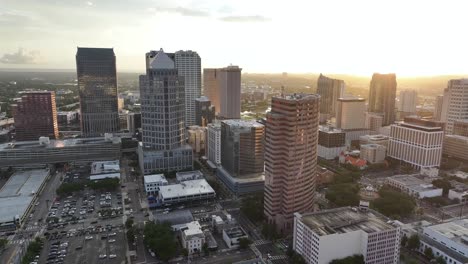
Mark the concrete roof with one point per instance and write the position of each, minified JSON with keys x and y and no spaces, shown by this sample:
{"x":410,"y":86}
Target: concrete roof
{"x":96,"y":177}
{"x":185,"y":188}
{"x":344,"y":220}
{"x":18,"y":192}
{"x":53,"y":143}
{"x":154,"y":178}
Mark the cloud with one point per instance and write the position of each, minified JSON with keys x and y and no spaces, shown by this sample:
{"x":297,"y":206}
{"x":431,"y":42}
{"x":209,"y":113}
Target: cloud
{"x":21,"y":57}
{"x":255,"y":18}
{"x":182,"y":11}
{"x":89,"y":3}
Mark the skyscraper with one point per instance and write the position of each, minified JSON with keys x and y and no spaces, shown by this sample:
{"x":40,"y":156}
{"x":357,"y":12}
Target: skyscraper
{"x":455,"y":103}
{"x":438,"y":105}
{"x":408,"y":99}
{"x":329,"y":90}
{"x":211,"y":87}
{"x":188,"y":64}
{"x":97,"y":84}
{"x":382,"y":94}
{"x":163,"y":116}
{"x":242,"y":146}
{"x":290,"y":157}
{"x":351,"y":113}
{"x":230,"y":90}
{"x":204,"y":111}
{"x":35,"y":116}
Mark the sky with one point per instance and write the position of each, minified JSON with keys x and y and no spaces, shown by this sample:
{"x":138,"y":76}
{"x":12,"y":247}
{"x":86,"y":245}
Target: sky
{"x":408,"y":37}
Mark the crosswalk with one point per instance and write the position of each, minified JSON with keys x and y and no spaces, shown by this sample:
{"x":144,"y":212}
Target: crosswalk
{"x":260,"y":242}
{"x":19,"y":241}
{"x":278,"y":257}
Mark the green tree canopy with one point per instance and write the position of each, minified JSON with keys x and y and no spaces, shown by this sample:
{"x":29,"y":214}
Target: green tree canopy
{"x":413,"y":242}
{"x":393,"y":203}
{"x":444,"y":184}
{"x":252,"y":207}
{"x":244,"y":243}
{"x":355,"y":259}
{"x":160,"y":238}
{"x":344,"y":194}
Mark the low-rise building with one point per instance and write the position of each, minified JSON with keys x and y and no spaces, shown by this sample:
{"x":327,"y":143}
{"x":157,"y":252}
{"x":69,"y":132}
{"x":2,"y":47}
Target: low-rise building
{"x":456,"y":146}
{"x":353,"y":158}
{"x":193,"y":237}
{"x":185,"y":191}
{"x":153,"y":182}
{"x":374,"y":139}
{"x":67,"y":117}
{"x":323,"y":236}
{"x":231,"y":236}
{"x":189,"y":175}
{"x":414,"y":185}
{"x":103,"y":167}
{"x":18,"y":196}
{"x":448,"y":240}
{"x":243,"y":184}
{"x":196,"y":139}
{"x":458,"y":191}
{"x":373,"y":153}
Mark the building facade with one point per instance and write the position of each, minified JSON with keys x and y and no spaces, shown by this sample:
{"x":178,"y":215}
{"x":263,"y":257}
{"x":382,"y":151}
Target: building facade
{"x":193,"y":237}
{"x":342,"y":232}
{"x":373,"y":121}
{"x":417,"y":142}
{"x":382,"y":95}
{"x":329,"y":90}
{"x":204,"y":112}
{"x":407,"y":101}
{"x":416,"y":186}
{"x":242,"y":146}
{"x":97,"y":84}
{"x":455,"y":102}
{"x":438,"y":105}
{"x":331,"y":142}
{"x":211,"y":87}
{"x":162,"y":92}
{"x":351,"y":113}
{"x":373,"y":153}
{"x":214,"y":143}
{"x":153,"y":182}
{"x":35,"y":116}
{"x":290,"y":157}
{"x":197,"y":139}
{"x":456,"y":146}
{"x":188,"y":64}
{"x":460,"y":127}
{"x":230,"y":90}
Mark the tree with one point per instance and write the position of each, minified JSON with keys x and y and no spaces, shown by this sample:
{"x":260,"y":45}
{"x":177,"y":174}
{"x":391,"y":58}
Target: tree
{"x":160,"y":238}
{"x":269,"y":231}
{"x":205,"y":249}
{"x":428,"y":253}
{"x":344,"y":194}
{"x":413,"y":242}
{"x":129,"y":223}
{"x":444,"y":184}
{"x":441,"y":260}
{"x":297,"y":259}
{"x":393,"y":203}
{"x":131,"y":235}
{"x":355,"y":259}
{"x":3,"y":243}
{"x":404,"y":240}
{"x":184,"y":252}
{"x":252,"y":208}
{"x":244,"y":243}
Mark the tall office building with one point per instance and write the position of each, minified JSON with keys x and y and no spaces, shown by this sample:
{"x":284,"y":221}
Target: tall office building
{"x":242,"y":146}
{"x":230,"y":91}
{"x":214,"y":143}
{"x":211,"y":87}
{"x":407,"y":101}
{"x":163,"y":116}
{"x":382,"y":95}
{"x":460,"y":127}
{"x":188,"y":64}
{"x":455,"y":103}
{"x":329,"y":90}
{"x":290,"y":157}
{"x":373,"y":121}
{"x":204,"y":111}
{"x":438,"y":105}
{"x":35,"y":116}
{"x":417,"y":142}
{"x":97,"y":84}
{"x":351,"y":113}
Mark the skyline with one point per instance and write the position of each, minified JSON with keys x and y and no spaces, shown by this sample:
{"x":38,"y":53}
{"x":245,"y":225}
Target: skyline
{"x":363,"y":38}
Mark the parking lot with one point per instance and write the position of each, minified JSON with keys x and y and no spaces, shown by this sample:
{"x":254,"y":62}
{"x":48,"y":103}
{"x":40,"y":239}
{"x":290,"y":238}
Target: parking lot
{"x":85,"y":227}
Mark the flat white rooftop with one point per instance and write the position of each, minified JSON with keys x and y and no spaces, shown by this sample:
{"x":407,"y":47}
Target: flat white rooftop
{"x":153,"y":178}
{"x":344,"y":220}
{"x":186,"y":188}
{"x":97,"y":177}
{"x":101,"y":167}
{"x":456,"y":231}
{"x":19,"y":191}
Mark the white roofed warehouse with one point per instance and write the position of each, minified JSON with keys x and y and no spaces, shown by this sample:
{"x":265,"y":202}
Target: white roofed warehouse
{"x":186,"y":191}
